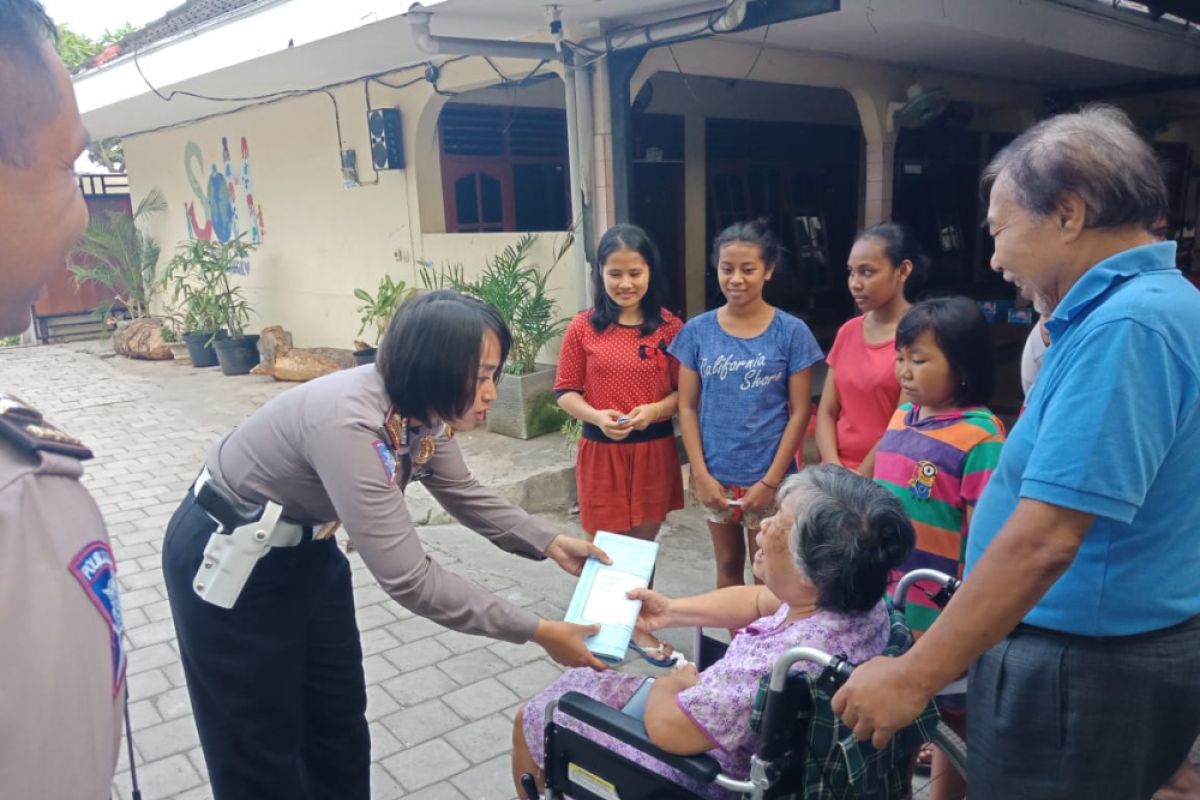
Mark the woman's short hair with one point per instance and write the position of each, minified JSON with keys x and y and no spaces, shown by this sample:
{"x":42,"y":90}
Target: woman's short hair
{"x":963,"y":334}
{"x":1094,"y":153}
{"x":429,"y":356}
{"x":604,"y":311}
{"x":848,"y":537}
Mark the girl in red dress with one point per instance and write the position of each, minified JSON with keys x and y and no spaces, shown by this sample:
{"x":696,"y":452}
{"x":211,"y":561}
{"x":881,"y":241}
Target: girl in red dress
{"x":615,"y":376}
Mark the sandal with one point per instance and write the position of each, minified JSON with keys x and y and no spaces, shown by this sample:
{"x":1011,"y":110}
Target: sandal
{"x":658,"y":656}
{"x":924,"y":760}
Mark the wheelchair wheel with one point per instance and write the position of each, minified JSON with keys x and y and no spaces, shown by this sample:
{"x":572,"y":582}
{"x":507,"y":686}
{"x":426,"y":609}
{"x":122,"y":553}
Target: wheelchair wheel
{"x":953,"y":746}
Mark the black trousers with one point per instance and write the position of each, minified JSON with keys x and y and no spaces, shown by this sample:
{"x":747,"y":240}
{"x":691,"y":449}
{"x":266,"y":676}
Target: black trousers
{"x":1051,"y":715}
{"x":276,"y":682}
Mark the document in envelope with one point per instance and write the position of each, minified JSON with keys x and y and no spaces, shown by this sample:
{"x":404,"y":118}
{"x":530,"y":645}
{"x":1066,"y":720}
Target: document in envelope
{"x":600,"y":594}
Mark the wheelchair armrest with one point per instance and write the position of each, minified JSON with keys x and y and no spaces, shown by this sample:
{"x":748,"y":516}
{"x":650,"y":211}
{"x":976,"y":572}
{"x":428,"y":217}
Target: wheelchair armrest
{"x":707,"y":650}
{"x":632,"y":731}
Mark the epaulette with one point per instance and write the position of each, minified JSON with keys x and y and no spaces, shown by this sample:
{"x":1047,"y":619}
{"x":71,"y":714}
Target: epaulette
{"x":27,"y":429}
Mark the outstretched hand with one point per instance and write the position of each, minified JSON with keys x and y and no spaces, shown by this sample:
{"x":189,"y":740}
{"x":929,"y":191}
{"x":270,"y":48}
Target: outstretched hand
{"x":563,"y":642}
{"x":655,"y":612}
{"x":571,"y":553}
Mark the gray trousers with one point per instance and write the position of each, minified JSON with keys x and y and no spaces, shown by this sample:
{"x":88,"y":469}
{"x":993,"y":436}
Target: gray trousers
{"x":1051,"y":715}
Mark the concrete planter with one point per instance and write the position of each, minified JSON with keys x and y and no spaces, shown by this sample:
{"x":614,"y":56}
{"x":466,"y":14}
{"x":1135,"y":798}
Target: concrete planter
{"x":180,"y":351}
{"x":524,"y":406}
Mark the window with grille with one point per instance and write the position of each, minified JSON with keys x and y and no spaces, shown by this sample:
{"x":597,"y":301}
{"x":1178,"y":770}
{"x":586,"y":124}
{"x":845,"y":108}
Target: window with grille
{"x":504,"y":168}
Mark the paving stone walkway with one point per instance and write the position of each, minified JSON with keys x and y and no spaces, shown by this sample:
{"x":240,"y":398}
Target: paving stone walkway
{"x":440,"y":703}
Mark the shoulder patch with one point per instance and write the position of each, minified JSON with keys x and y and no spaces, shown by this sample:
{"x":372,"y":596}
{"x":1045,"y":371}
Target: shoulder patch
{"x":25,"y":427}
{"x":96,"y":571}
{"x":388,"y":458}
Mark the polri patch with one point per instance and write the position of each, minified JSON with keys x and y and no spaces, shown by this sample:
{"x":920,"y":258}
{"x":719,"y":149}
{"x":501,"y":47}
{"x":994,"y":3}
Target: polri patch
{"x":389,"y":460}
{"x":96,"y":570}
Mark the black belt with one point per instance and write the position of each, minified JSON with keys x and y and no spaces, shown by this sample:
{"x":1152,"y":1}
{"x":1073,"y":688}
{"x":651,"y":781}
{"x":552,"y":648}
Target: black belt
{"x":655,"y":430}
{"x":1050,"y":633}
{"x":230,"y":512}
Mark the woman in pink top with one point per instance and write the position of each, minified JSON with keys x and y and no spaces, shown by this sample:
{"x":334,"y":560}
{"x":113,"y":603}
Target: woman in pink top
{"x":861,"y":391}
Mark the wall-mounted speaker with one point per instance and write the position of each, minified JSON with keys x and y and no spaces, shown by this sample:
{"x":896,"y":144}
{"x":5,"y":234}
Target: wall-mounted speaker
{"x":387,"y":145}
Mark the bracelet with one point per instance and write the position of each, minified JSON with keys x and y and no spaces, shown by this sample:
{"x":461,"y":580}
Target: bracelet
{"x":657,"y":411}
{"x":769,"y":486}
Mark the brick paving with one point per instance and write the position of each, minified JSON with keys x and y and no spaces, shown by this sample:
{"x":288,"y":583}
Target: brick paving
{"x":440,"y":703}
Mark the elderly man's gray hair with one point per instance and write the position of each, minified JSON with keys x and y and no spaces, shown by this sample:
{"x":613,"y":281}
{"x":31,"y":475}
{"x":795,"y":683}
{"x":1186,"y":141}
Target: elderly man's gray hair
{"x":848,"y":537}
{"x":28,"y":94}
{"x":1094,"y":153}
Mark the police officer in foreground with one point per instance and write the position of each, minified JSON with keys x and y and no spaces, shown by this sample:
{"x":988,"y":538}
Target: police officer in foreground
{"x":260,"y":593}
{"x":62,"y":674}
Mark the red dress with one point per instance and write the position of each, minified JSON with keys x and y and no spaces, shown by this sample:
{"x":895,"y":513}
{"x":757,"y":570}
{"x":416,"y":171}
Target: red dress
{"x":623,"y":484}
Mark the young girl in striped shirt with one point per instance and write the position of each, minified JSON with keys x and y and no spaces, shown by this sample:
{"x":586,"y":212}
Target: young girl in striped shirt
{"x":937,"y":455}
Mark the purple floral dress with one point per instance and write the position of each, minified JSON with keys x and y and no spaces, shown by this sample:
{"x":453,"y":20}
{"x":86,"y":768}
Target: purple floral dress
{"x":721,"y":702}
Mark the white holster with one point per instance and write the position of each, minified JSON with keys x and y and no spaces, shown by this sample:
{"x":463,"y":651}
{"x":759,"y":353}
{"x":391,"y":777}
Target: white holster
{"x":230,"y":556}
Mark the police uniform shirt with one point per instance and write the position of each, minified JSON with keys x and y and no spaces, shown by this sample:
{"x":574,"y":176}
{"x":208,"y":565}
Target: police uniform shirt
{"x":322,"y":451}
{"x":63,"y":668}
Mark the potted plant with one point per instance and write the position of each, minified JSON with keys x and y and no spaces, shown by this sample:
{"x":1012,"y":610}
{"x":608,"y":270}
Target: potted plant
{"x":215,"y":312}
{"x":179,"y":348}
{"x":377,"y":313}
{"x":517,"y":290}
{"x":118,"y":254}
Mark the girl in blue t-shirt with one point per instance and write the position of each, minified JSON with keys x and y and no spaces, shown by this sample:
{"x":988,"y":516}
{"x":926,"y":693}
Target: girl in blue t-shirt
{"x":743,"y":367}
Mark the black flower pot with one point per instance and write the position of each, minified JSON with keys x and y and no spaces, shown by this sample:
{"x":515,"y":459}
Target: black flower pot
{"x":365,"y":356}
{"x":200,"y":349}
{"x":237,"y":355}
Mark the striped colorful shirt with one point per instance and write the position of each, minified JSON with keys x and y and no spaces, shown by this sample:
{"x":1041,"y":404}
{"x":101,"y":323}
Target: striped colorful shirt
{"x":937,"y":467}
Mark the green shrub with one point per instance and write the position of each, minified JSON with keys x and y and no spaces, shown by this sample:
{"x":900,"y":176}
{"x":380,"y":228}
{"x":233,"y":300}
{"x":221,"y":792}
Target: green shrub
{"x":544,"y":415}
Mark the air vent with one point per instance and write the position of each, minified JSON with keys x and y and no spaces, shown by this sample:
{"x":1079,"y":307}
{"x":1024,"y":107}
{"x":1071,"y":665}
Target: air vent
{"x":470,"y":130}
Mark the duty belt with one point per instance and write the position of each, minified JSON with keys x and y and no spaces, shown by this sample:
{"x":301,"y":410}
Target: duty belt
{"x":246,"y":534}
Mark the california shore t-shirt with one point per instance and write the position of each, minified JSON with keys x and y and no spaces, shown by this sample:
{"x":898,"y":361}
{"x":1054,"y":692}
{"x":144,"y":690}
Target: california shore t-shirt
{"x":744,"y":390}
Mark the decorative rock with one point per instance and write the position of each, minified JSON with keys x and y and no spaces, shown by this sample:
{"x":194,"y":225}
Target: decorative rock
{"x":142,"y":338}
{"x":283,"y":362}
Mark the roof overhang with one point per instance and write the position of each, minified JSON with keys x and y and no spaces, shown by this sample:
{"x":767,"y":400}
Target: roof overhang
{"x":274,"y":47}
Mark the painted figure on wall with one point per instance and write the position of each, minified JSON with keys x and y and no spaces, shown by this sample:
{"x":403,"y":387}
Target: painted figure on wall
{"x":213,"y":214}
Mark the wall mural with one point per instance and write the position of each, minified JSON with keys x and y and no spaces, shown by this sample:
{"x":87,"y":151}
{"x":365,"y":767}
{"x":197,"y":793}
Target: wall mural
{"x":214,"y":212}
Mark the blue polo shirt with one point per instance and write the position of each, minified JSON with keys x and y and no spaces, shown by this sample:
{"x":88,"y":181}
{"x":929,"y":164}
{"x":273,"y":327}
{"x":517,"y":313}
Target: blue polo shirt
{"x":1112,"y":428}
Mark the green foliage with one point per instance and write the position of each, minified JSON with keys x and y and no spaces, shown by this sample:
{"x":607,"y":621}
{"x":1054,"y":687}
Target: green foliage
{"x":9,"y":341}
{"x":544,"y":415}
{"x":198,"y":276}
{"x":117,"y":253}
{"x":378,"y":311}
{"x":571,"y":430}
{"x":518,"y":292}
{"x":76,"y":48}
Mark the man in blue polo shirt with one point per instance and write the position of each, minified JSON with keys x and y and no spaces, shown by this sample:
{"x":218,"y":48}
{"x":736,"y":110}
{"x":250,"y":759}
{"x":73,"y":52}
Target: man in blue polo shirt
{"x":1082,"y":597}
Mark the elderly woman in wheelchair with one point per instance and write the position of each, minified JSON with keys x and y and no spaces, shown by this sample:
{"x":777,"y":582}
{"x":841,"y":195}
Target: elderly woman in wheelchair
{"x":824,"y":560}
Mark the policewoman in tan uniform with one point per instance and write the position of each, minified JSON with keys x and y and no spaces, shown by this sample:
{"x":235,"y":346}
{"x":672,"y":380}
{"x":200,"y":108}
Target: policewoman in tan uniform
{"x":276,"y":679}
{"x":62,"y":670}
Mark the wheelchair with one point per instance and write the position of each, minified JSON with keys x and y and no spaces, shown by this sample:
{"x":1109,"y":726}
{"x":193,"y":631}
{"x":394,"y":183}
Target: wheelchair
{"x":805,"y":752}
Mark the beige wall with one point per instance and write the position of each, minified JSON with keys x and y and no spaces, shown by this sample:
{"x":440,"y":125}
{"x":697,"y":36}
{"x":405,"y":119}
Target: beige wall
{"x":321,"y":240}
